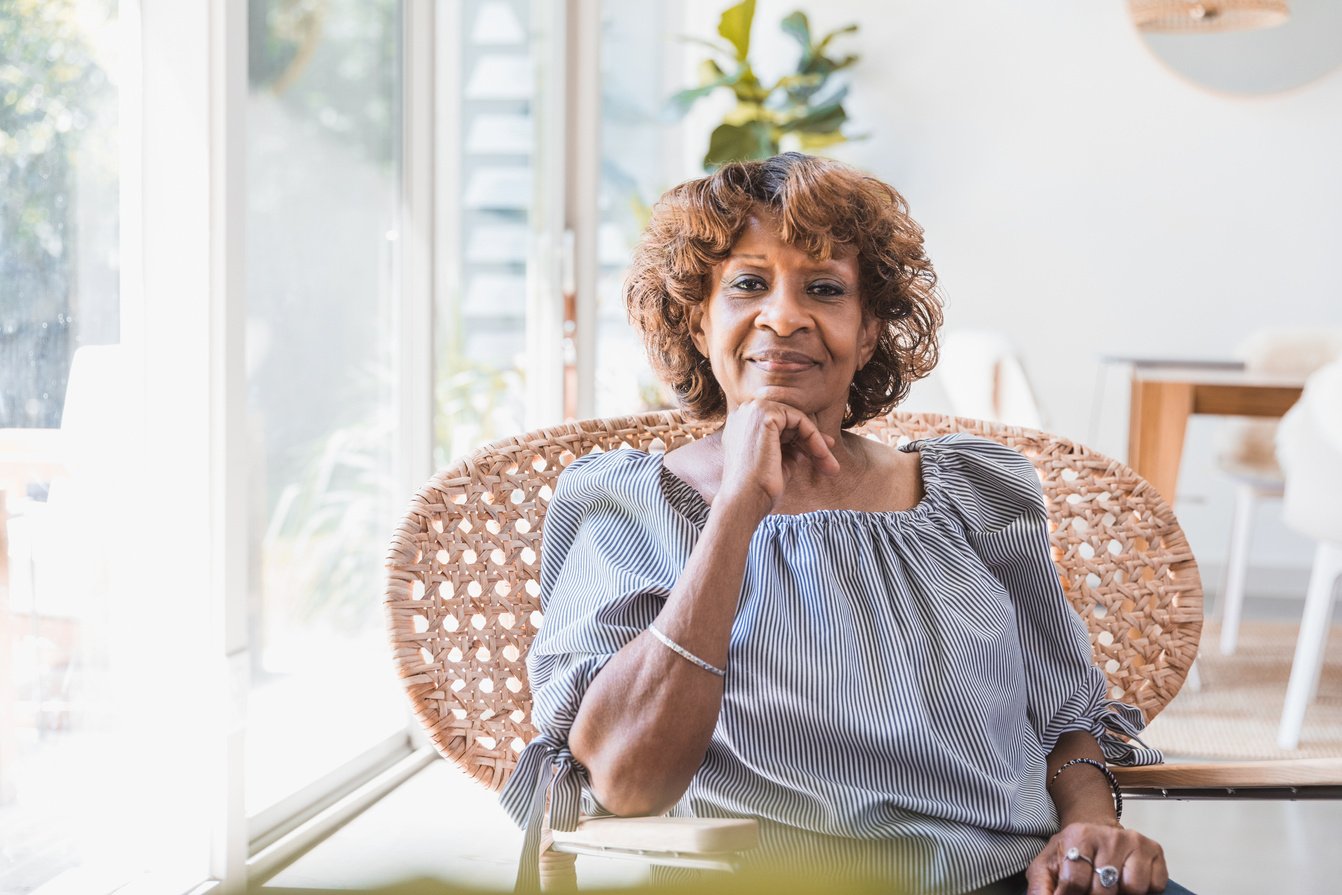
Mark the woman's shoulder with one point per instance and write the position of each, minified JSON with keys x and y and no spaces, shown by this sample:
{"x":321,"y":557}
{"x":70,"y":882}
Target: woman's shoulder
{"x":990,"y":483}
{"x":614,"y":504}
{"x":613,"y":490}
{"x":974,"y":452}
{"x":606,"y":474}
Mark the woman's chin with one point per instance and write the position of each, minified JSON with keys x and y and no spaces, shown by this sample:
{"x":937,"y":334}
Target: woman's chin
{"x":804,"y":399}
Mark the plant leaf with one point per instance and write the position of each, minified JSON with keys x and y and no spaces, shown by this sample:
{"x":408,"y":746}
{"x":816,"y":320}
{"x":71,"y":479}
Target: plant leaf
{"x":740,"y":142}
{"x":679,"y":103}
{"x":729,"y":52}
{"x":735,"y":24}
{"x":801,"y":79}
{"x":710,"y":71}
{"x":831,"y":97}
{"x":812,"y":142}
{"x":802,"y":89}
{"x":821,"y":119}
{"x":748,"y":88}
{"x":799,"y":28}
{"x":850,"y":28}
{"x":844,"y":62}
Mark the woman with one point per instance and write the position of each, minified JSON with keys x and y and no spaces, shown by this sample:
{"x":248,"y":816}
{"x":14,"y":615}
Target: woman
{"x":866,"y":648}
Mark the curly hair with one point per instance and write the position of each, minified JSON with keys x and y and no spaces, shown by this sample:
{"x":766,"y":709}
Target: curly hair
{"x":820,"y":206}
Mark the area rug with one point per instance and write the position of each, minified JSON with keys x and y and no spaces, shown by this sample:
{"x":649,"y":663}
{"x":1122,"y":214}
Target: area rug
{"x":1235,"y":713}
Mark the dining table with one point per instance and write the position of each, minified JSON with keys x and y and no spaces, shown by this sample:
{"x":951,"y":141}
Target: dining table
{"x":1165,"y":392}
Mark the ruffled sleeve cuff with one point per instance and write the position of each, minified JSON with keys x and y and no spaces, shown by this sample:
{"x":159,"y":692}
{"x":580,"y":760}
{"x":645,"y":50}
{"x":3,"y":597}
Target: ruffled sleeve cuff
{"x":545,"y":765}
{"x":1116,"y":728}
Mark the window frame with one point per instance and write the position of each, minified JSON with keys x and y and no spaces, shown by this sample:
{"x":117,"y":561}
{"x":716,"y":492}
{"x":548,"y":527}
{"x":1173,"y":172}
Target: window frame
{"x":183,"y":107}
{"x":183,"y":104}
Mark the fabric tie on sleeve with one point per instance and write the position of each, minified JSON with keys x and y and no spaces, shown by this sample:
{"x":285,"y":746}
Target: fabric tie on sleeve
{"x":524,"y":800}
{"x":1115,"y":728}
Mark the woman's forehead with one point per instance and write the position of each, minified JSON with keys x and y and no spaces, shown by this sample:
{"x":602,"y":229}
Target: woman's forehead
{"x":761,"y":238}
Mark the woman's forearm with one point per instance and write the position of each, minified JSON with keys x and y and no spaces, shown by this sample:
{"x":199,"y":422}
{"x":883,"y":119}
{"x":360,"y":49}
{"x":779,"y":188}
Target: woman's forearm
{"x":647,"y":718}
{"x":1081,"y":793}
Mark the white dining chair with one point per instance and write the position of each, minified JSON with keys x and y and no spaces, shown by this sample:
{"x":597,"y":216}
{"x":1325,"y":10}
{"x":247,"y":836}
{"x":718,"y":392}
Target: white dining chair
{"x":983,"y":378}
{"x":1247,"y":453}
{"x":1309,"y":446}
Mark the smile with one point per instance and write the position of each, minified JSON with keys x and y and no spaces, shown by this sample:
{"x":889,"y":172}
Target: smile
{"x":782,"y":361}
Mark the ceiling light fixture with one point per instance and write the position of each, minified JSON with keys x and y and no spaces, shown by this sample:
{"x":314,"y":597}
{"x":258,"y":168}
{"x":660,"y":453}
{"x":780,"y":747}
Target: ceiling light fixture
{"x":1193,"y":16}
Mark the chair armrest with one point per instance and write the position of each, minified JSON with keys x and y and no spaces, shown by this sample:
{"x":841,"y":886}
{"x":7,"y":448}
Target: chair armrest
{"x":1303,"y":778}
{"x":704,"y":842}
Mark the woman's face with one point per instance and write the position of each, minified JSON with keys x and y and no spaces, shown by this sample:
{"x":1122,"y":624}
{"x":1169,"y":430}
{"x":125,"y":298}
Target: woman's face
{"x":780,"y":325}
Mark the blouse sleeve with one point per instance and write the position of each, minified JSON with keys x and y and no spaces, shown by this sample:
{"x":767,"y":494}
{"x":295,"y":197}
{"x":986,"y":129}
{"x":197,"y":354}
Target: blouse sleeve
{"x":604,"y":577}
{"x":1001,"y":502}
{"x":605,"y":574}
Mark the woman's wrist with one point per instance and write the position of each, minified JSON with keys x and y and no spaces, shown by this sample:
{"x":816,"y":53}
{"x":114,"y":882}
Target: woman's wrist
{"x":741,"y":506}
{"x":1080,"y":784}
{"x":1096,"y":816}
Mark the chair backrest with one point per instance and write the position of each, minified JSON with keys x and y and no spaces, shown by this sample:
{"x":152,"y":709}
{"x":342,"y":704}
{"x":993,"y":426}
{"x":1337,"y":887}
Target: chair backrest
{"x":463,"y":604}
{"x":1309,"y":444}
{"x":1245,"y":446}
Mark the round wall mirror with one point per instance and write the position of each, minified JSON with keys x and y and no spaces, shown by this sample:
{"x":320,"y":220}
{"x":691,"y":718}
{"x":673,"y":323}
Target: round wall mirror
{"x":1269,"y":60}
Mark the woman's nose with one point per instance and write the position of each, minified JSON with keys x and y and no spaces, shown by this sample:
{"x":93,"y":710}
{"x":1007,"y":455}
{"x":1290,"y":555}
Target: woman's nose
{"x":783,"y":311}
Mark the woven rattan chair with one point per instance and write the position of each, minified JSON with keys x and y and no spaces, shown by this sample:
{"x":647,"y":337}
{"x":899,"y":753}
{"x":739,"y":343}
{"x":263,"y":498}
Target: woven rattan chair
{"x":463,"y":604}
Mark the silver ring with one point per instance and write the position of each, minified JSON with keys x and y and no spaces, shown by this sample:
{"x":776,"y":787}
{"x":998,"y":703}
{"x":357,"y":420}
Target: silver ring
{"x":1108,"y":874}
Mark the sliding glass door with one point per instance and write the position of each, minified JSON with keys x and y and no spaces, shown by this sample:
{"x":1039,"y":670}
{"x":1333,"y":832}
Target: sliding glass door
{"x":324,"y":125}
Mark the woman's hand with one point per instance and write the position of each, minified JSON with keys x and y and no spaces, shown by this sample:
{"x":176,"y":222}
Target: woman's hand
{"x":764,"y":444}
{"x":1140,"y":862}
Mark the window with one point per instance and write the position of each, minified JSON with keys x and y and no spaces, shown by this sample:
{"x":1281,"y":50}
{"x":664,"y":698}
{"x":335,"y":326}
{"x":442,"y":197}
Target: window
{"x":491,"y":53}
{"x":324,"y":297}
{"x":639,"y":161}
{"x":65,"y":682}
{"x":219,"y":382}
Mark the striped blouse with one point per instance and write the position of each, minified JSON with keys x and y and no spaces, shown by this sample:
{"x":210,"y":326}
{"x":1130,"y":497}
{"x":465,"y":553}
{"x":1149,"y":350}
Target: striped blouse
{"x":895,"y":680}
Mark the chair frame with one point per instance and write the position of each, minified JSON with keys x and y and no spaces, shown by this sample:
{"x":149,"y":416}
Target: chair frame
{"x":462,"y":597}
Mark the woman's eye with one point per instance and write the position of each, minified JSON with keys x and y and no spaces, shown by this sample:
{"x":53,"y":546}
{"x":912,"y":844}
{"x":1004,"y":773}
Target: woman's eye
{"x":748,"y":284}
{"x":830,"y":290}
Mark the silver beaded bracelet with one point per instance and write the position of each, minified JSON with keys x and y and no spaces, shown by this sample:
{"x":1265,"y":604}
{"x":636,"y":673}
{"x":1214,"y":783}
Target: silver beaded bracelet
{"x":1108,"y":775}
{"x":677,"y":648}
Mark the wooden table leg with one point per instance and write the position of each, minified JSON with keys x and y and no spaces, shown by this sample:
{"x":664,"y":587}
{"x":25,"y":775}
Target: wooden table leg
{"x":1158,"y":420}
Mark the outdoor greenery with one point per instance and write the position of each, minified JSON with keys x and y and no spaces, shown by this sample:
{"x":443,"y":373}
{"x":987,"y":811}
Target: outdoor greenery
{"x":317,"y":565}
{"x":324,"y":112}
{"x":52,"y":89}
{"x":803,"y":108}
{"x":299,"y":50}
{"x":473,"y":402}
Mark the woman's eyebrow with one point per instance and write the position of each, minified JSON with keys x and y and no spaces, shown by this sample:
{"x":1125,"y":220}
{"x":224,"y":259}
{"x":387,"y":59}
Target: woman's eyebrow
{"x":830,"y":266}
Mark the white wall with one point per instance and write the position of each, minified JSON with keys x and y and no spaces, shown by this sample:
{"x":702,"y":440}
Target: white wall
{"x":1086,"y":200}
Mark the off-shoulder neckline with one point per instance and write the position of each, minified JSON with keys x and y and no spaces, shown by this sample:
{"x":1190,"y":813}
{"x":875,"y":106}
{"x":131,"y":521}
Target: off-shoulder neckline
{"x":685,"y":497}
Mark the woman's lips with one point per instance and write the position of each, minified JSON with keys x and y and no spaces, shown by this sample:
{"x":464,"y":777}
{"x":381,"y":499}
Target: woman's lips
{"x":782,"y":361}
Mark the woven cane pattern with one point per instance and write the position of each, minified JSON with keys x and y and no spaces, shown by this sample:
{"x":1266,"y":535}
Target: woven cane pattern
{"x":462,"y":596}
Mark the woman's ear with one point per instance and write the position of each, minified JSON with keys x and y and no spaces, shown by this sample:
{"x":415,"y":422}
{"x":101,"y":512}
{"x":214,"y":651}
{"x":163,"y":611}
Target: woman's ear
{"x":868,"y":337}
{"x":695,"y":318}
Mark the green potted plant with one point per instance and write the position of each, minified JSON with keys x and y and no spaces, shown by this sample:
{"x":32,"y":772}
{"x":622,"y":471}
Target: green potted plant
{"x":803,"y":108}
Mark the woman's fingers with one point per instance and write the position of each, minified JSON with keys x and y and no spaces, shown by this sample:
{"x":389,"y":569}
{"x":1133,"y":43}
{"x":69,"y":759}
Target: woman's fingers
{"x":764,"y":444}
{"x":1101,"y":860}
{"x":1075,"y":877}
{"x":1136,"y":873}
{"x":1143,"y":867}
{"x":1042,"y":875}
{"x":809,"y":439}
{"x":1160,"y":874}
